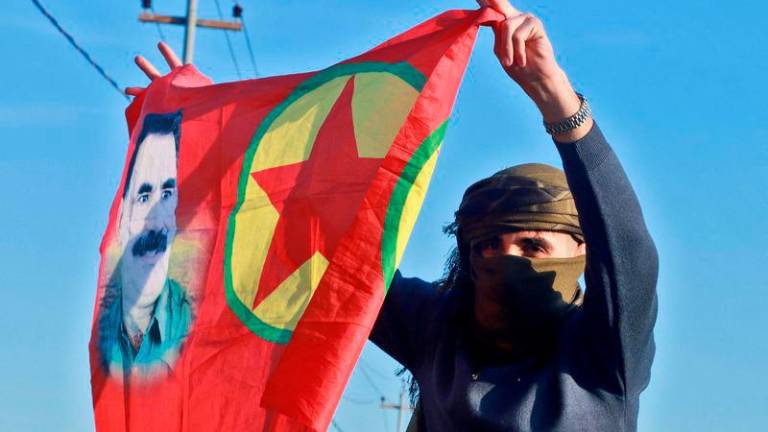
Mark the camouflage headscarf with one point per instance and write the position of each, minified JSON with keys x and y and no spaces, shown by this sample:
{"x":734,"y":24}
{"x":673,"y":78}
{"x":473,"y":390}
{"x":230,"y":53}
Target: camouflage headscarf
{"x":523,"y":197}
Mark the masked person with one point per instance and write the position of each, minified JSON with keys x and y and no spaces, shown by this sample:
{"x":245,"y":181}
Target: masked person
{"x":508,"y":341}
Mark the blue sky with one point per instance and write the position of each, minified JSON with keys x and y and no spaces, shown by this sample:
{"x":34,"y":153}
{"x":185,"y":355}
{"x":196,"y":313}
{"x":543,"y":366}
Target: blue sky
{"x":678,"y":89}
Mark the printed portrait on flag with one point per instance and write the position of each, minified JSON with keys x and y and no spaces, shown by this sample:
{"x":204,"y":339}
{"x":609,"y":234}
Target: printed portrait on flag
{"x":257,"y":228}
{"x":146,"y":312}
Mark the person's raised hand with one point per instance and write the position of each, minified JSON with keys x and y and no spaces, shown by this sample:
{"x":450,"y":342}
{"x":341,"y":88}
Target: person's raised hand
{"x":526,"y":54}
{"x":150,"y":70}
{"x":522,"y":45}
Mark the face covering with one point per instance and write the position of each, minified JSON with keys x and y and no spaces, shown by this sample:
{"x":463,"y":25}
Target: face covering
{"x":521,"y":303}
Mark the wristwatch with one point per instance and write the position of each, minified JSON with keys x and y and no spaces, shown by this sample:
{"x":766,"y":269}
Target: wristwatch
{"x":572,"y":122}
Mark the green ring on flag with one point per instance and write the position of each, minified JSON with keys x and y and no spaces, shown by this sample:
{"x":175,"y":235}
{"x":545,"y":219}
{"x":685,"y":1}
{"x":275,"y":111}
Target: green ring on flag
{"x":399,"y":196}
{"x":402,"y":70}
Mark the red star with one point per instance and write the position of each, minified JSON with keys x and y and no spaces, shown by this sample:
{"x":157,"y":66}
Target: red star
{"x":317,"y":199}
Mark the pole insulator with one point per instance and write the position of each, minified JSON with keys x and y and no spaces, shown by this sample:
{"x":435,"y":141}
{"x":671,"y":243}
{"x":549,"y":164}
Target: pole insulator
{"x":237,"y":11}
{"x":146,"y":4}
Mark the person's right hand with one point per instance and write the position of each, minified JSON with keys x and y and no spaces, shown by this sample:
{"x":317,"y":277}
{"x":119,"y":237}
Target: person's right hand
{"x":150,"y":70}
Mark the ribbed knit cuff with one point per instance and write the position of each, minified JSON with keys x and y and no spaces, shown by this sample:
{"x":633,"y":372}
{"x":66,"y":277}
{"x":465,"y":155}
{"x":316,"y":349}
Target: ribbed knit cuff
{"x":589,"y":152}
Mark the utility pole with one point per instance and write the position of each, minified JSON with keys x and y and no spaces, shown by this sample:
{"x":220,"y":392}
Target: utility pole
{"x":189,"y":32}
{"x":401,"y":408}
{"x":190,"y":22}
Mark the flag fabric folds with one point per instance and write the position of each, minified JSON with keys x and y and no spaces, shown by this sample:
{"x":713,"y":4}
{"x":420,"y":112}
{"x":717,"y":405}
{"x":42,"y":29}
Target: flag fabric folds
{"x":256,"y":229}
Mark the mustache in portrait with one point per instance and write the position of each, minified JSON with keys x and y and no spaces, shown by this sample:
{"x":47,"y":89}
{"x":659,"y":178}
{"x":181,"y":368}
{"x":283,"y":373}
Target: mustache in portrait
{"x":150,"y":241}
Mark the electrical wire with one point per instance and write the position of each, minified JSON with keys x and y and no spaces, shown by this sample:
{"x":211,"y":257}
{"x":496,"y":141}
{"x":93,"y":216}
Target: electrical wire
{"x":229,"y":43}
{"x":72,"y":41}
{"x":157,"y":24}
{"x":336,"y":426}
{"x":370,"y":380}
{"x":376,"y":371}
{"x":358,"y":401}
{"x":250,"y":48}
{"x":386,"y":420}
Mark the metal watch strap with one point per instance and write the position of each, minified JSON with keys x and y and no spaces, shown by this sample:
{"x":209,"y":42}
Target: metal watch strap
{"x":571,"y":122}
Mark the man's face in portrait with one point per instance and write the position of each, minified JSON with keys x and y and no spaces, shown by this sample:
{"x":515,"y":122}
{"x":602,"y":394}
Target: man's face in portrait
{"x":148,"y":220}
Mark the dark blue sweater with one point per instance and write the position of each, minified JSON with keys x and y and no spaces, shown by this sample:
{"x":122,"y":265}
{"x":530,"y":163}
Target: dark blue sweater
{"x":593,"y":380}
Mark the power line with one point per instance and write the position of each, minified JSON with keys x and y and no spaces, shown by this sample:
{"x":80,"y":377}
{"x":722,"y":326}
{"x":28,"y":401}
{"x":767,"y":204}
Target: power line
{"x":401,"y":407}
{"x":359,"y":401}
{"x":370,"y":380}
{"x":157,"y":24}
{"x":386,"y":421}
{"x":229,"y":43}
{"x":336,"y":426}
{"x":191,"y":22}
{"x":72,"y":41}
{"x":250,"y":48}
{"x":376,"y":371}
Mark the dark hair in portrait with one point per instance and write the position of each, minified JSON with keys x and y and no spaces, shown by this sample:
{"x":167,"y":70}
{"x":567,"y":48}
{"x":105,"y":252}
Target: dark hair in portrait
{"x":169,"y":123}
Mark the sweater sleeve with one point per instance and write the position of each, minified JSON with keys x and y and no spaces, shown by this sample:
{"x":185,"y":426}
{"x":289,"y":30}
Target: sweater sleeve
{"x":403,"y":320}
{"x":614,"y":329}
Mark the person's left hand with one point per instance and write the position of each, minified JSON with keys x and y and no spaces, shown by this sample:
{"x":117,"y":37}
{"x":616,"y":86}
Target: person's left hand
{"x":522,"y":46}
{"x":150,"y":70}
{"x":526,"y":54}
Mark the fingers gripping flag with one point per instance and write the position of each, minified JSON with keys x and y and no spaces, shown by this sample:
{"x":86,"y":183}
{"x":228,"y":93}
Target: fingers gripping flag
{"x":256,"y":229}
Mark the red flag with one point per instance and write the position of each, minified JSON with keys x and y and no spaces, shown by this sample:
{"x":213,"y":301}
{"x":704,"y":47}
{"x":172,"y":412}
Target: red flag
{"x":255,"y":231}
